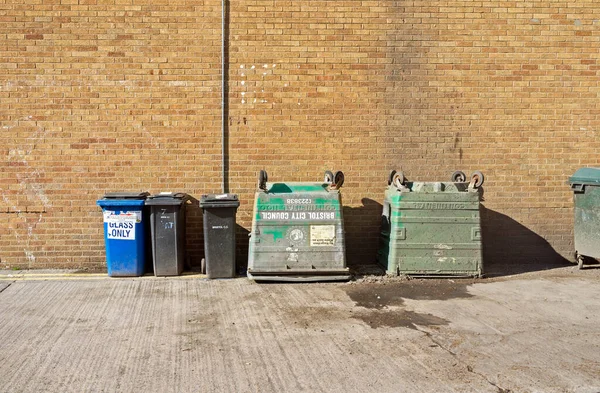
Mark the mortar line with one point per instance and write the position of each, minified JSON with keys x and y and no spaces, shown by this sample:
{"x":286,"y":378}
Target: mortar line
{"x":469,"y":367}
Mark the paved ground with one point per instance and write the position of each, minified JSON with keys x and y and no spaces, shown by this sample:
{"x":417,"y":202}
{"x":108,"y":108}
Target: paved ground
{"x":537,"y":332}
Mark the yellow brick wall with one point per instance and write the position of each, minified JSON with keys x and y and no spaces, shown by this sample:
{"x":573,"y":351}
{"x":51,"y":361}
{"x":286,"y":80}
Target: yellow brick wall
{"x":110,"y":95}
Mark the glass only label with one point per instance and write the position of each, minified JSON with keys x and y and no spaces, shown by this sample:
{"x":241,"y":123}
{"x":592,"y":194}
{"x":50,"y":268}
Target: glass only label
{"x":121,"y":225}
{"x":297,"y":215}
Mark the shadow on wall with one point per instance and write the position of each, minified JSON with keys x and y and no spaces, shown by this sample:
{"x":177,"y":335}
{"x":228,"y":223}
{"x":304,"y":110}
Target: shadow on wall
{"x":511,"y":248}
{"x":194,"y":236}
{"x":242,"y":239}
{"x":362,"y":225}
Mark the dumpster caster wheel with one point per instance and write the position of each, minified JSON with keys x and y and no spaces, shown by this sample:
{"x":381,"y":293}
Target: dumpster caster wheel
{"x":328,"y":177}
{"x":477,"y":179}
{"x":262,"y":179}
{"x":391,"y":177}
{"x":458,"y":177}
{"x":203,"y":266}
{"x":338,"y":179}
{"x":398,"y":179}
{"x":580,"y":260}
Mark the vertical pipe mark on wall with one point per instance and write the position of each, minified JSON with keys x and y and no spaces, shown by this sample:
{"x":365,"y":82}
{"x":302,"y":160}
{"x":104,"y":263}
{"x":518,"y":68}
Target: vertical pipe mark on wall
{"x":225,"y":95}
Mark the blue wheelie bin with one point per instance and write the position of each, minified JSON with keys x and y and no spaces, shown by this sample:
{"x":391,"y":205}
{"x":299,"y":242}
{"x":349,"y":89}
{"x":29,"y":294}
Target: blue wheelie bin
{"x":124,"y":233}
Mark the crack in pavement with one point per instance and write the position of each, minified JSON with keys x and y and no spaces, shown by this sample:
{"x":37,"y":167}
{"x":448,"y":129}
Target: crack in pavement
{"x":4,"y":289}
{"x":469,"y":367}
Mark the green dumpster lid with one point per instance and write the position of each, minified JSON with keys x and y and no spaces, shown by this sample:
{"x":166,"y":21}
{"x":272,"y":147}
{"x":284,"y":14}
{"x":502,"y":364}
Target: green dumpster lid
{"x":586,"y":176}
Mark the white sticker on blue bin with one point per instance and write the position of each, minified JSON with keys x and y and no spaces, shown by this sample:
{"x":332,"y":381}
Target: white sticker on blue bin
{"x":122,"y":216}
{"x":121,"y":230}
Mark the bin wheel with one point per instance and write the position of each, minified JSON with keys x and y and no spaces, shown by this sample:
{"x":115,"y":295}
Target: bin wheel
{"x":580,"y":260}
{"x":262,"y":179}
{"x":338,"y":179}
{"x":458,"y":177}
{"x":391,"y":176}
{"x":399,"y":180}
{"x":477,"y":178}
{"x":203,"y":266}
{"x":328,"y":177}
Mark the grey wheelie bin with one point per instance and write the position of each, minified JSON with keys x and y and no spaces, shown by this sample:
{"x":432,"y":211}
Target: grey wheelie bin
{"x":167,"y":228}
{"x":219,"y":212}
{"x":585,"y":184}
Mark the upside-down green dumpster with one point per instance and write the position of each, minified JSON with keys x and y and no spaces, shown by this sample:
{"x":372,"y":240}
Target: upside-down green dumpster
{"x":432,"y":228}
{"x":298,"y":231}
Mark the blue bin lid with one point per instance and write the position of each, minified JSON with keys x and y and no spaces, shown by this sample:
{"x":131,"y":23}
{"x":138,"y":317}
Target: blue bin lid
{"x":126,"y":195}
{"x":586,"y":176}
{"x":114,"y":203}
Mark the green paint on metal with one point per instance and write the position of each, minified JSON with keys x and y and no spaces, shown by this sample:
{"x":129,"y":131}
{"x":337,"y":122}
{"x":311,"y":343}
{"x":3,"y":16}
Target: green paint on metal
{"x":287,"y":188}
{"x":278,"y":233}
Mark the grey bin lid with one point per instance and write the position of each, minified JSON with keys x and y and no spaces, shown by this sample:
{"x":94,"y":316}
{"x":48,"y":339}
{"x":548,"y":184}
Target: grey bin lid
{"x":126,"y":195}
{"x":219,"y":200}
{"x":587,"y":176}
{"x":167,"y":198}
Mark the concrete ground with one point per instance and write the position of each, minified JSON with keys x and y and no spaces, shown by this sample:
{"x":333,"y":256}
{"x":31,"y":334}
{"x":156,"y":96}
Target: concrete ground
{"x":535,"y":332}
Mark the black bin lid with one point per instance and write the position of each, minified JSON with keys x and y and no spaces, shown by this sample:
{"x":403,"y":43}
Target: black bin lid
{"x":219,"y":200}
{"x":167,"y":198}
{"x":126,"y":195}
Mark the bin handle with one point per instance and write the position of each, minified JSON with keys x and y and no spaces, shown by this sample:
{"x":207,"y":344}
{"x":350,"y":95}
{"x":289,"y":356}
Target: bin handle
{"x":578,"y":187}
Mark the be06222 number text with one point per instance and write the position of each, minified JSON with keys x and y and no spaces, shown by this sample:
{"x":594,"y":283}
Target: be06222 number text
{"x":298,"y":201}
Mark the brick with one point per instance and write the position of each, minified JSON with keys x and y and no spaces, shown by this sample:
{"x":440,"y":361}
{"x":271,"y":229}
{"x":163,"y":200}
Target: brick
{"x":100,"y":98}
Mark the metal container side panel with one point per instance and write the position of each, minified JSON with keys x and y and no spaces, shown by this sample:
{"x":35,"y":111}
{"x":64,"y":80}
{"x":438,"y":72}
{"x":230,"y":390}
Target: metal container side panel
{"x":253,"y":232}
{"x":385,"y":255}
{"x":300,"y":231}
{"x":587,"y":221}
{"x":434,"y":233}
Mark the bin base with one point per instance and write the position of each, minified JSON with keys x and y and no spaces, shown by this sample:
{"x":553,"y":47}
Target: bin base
{"x":299,"y":275}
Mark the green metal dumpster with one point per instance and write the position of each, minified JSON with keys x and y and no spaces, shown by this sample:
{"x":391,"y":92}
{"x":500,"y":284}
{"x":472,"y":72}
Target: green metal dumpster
{"x":298,"y":231}
{"x":585,"y":184}
{"x":432,"y":228}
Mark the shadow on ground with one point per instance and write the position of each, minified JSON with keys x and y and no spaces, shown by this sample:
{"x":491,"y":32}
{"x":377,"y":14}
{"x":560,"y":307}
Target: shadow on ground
{"x":511,"y":248}
{"x":508,"y":247}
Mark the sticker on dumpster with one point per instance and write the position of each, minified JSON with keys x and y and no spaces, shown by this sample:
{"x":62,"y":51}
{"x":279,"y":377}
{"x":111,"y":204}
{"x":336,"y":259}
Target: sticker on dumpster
{"x":121,"y":230}
{"x":322,"y":235}
{"x":113,"y":216}
{"x":287,"y":215}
